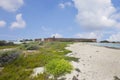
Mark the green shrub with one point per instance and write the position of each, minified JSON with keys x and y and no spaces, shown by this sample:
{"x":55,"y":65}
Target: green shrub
{"x":8,"y":56}
{"x":58,"y":67}
{"x":30,"y":46}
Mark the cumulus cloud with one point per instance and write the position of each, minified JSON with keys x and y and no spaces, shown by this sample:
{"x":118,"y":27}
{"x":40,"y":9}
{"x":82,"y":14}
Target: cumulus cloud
{"x":96,"y":14}
{"x":114,"y":37}
{"x":66,"y":4}
{"x":11,"y":5}
{"x":19,"y":23}
{"x":2,"y":23}
{"x":56,"y":35}
{"x":90,"y":35}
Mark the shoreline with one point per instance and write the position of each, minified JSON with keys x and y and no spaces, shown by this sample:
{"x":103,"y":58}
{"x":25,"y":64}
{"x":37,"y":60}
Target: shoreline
{"x":95,"y":62}
{"x":105,"y":46}
{"x":112,"y":47}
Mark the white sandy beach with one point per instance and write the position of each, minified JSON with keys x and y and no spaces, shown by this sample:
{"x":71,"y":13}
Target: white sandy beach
{"x":95,"y":63}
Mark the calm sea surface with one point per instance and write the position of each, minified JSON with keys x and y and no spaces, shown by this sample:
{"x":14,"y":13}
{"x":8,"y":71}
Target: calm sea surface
{"x":112,"y":45}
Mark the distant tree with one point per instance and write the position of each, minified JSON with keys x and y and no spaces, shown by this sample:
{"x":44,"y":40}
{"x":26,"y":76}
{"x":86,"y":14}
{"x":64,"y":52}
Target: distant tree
{"x":2,"y":43}
{"x":10,"y":43}
{"x":105,"y":41}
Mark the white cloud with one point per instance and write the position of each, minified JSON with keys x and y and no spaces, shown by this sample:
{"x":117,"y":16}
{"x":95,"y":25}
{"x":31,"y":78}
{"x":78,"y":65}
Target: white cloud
{"x":61,"y":5}
{"x":2,"y":23}
{"x":11,"y":5}
{"x":66,"y":4}
{"x":96,"y":14}
{"x":19,"y":23}
{"x":44,"y":28}
{"x":114,"y":37}
{"x":57,"y":35}
{"x":95,"y":35}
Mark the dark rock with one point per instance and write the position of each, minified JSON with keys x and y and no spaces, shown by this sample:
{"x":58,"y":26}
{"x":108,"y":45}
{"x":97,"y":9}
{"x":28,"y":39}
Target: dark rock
{"x":97,"y":51}
{"x":78,"y":70}
{"x":116,"y":78}
{"x":74,"y":78}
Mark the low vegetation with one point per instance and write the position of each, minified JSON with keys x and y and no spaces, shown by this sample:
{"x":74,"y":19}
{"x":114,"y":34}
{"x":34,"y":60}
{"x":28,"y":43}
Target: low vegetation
{"x":22,"y":67}
{"x":58,"y":67}
{"x":8,"y":47}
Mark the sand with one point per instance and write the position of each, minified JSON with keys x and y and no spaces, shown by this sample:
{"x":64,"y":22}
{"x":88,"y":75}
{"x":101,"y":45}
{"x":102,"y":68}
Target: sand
{"x":37,"y":71}
{"x":95,"y":63}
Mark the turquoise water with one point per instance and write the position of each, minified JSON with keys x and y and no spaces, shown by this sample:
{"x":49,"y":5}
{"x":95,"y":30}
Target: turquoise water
{"x":112,"y":45}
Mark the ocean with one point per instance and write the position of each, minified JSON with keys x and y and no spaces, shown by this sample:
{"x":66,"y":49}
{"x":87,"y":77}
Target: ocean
{"x":111,"y":45}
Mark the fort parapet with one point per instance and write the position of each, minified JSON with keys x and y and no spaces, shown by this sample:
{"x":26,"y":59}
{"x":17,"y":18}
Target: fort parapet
{"x":66,"y":39}
{"x":70,"y":40}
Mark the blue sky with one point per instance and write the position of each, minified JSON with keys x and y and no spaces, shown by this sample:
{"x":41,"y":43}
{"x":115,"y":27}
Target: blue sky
{"x":61,"y":18}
